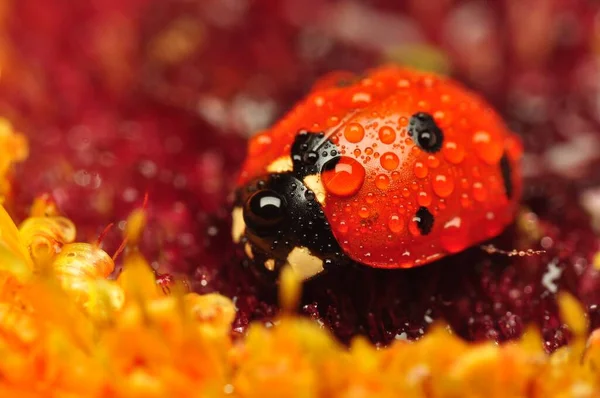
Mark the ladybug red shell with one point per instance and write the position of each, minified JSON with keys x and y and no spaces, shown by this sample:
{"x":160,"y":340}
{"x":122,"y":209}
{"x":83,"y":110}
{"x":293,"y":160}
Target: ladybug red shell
{"x":394,"y":169}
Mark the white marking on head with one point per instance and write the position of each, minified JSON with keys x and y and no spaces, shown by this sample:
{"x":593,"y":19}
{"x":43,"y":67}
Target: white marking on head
{"x":314,"y":183}
{"x":238,"y":227}
{"x":281,"y":165}
{"x":304,"y":264}
{"x":270,"y":264}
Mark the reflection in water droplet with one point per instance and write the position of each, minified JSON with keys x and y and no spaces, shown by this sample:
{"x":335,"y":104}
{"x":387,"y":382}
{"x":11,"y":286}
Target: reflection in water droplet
{"x":343,"y":178}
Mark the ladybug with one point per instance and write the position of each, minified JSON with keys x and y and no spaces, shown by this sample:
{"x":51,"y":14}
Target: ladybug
{"x":393,"y":169}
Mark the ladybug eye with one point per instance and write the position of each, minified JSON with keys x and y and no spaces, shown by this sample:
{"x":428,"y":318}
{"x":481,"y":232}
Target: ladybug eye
{"x":425,"y":133}
{"x":264,"y":210}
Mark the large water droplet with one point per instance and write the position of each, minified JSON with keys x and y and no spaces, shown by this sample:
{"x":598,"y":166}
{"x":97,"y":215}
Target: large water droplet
{"x":343,"y":178}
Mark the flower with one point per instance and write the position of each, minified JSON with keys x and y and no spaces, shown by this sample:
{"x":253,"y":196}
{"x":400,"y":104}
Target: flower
{"x":69,"y":328}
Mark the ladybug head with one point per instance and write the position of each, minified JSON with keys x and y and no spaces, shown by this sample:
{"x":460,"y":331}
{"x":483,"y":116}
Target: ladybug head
{"x":278,"y":217}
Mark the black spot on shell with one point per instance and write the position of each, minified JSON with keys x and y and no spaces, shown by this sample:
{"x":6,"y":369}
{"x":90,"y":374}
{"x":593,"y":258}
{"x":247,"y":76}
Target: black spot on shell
{"x":424,"y":220}
{"x":506,"y":170}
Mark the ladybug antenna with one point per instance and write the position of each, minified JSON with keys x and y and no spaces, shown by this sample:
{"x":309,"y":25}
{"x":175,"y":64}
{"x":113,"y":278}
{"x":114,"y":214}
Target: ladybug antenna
{"x":103,"y":234}
{"x":491,"y":249}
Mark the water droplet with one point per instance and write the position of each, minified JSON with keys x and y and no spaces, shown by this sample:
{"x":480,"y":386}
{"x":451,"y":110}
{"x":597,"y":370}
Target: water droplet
{"x":443,"y":185}
{"x":453,"y":152}
{"x":493,"y":225}
{"x":357,"y":152}
{"x":433,"y":161}
{"x":405,"y":192}
{"x":420,"y":170}
{"x":479,"y":192}
{"x":332,"y":121}
{"x":345,"y":178}
{"x":361,"y":98}
{"x":403,"y":83}
{"x":389,"y":161}
{"x":403,"y":121}
{"x":369,"y":151}
{"x":309,"y":195}
{"x":363,"y":212}
{"x":424,"y":198}
{"x":487,"y":148}
{"x":370,"y":198}
{"x":465,"y":201}
{"x":259,"y":144}
{"x":354,"y":132}
{"x":387,"y":135}
{"x":310,"y":157}
{"x":396,"y":224}
{"x":454,"y":237}
{"x":413,"y":226}
{"x":382,"y":181}
{"x":395,"y":176}
{"x":342,"y":227}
